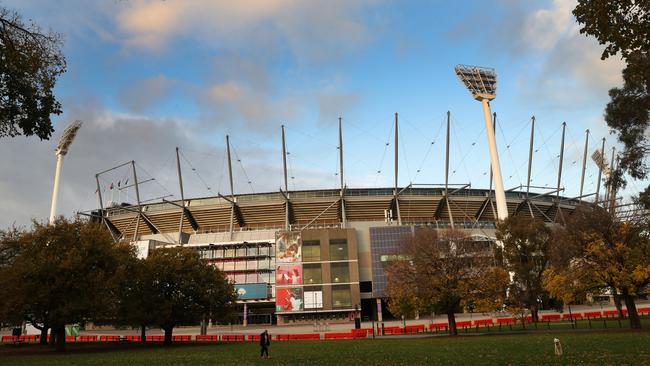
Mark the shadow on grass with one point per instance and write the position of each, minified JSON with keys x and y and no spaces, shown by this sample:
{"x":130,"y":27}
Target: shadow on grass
{"x":27,"y":349}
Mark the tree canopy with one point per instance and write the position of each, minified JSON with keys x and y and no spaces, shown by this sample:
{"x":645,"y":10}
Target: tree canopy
{"x":180,"y":289}
{"x":623,"y":27}
{"x":63,"y":274}
{"x":31,"y":63}
{"x":595,"y":252}
{"x":525,"y":254}
{"x":443,"y":272}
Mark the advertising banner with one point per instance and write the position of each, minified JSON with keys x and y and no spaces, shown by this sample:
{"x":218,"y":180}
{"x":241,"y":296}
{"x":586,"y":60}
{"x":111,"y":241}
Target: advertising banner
{"x":252,"y":291}
{"x":288,"y":248}
{"x":313,"y":299}
{"x":288,"y":299}
{"x":288,"y":275}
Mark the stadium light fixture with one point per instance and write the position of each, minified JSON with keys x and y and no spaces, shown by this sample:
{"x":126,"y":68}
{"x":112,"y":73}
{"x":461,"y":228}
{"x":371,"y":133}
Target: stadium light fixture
{"x":482,"y":83}
{"x":61,"y":150}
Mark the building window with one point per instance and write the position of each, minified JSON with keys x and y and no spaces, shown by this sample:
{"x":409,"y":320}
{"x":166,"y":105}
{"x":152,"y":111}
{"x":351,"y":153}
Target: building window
{"x":311,"y":274}
{"x":310,"y":250}
{"x":313,"y":296}
{"x":341,"y":297}
{"x":338,"y":249}
{"x":340,"y":272}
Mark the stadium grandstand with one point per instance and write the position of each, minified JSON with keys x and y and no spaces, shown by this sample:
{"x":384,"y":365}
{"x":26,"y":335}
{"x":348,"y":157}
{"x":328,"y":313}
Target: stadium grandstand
{"x":308,"y":256}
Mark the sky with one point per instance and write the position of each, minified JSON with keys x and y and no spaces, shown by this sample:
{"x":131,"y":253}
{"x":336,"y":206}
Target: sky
{"x":147,"y":76}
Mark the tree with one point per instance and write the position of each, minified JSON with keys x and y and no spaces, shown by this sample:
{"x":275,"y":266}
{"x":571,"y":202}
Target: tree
{"x":184,"y":288}
{"x":136,"y":300}
{"x":31,"y":63}
{"x":624,"y":27}
{"x":63,"y":274}
{"x":525,"y":253}
{"x":596,"y":252}
{"x":444,"y":271}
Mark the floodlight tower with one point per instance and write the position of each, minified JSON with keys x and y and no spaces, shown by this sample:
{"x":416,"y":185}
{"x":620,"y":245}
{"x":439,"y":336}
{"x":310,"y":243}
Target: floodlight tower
{"x":482,"y":83}
{"x":62,"y":148}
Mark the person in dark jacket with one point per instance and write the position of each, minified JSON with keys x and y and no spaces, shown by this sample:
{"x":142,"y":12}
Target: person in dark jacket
{"x":265,"y":342}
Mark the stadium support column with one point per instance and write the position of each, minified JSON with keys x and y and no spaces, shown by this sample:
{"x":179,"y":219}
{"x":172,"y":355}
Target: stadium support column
{"x":232,"y":190}
{"x":399,"y":215}
{"x":451,"y":217}
{"x":137,"y":197}
{"x":286,"y":183}
{"x":600,"y":174}
{"x":530,"y":163}
{"x":584,"y":164}
{"x":502,"y":208}
{"x":180,"y":183}
{"x":559,"y":173}
{"x":343,"y":216}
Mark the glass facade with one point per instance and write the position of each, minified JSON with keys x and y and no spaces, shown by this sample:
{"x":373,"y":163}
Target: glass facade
{"x":340,"y":272}
{"x":341,"y":297}
{"x":312,"y":274}
{"x":338,"y":250}
{"x":384,"y":244}
{"x":311,"y":251}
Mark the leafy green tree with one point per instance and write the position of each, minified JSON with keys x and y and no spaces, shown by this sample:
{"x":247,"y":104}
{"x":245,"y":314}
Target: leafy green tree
{"x":525,"y":253}
{"x":184,"y":289}
{"x":31,"y":62}
{"x":596,"y":252}
{"x":63,"y":274}
{"x":136,"y":300}
{"x":444,"y":272}
{"x":623,"y":26}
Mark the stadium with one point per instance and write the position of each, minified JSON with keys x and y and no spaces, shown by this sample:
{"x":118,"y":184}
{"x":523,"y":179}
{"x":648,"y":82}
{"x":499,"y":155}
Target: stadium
{"x":304,"y":256}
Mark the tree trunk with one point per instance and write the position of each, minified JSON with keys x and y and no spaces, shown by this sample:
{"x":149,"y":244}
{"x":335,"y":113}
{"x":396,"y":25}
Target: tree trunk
{"x":635,"y":322}
{"x":43,"y":338}
{"x":60,"y":337}
{"x":534,"y":312}
{"x":143,"y":333}
{"x":168,"y":336}
{"x":617,"y":302}
{"x":451,"y":319}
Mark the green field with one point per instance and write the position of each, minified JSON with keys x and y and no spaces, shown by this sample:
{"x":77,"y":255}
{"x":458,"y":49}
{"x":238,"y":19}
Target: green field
{"x":588,"y":348}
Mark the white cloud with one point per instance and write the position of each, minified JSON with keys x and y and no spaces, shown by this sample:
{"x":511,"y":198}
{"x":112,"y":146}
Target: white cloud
{"x":313,"y":30}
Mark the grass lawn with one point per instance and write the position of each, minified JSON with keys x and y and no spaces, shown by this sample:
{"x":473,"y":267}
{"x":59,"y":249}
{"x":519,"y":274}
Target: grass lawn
{"x":588,"y":348}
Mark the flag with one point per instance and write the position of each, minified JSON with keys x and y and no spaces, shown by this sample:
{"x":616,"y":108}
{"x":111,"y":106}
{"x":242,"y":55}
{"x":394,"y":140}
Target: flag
{"x":111,"y":186}
{"x":118,"y":183}
{"x":126,"y":181}
{"x":97,"y":190}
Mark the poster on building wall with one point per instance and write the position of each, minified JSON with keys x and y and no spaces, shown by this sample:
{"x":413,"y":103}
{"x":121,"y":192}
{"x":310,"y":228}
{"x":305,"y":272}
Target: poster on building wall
{"x":288,"y":299}
{"x":288,"y":275}
{"x":252,"y":291}
{"x":288,"y":247}
{"x":313,"y":299}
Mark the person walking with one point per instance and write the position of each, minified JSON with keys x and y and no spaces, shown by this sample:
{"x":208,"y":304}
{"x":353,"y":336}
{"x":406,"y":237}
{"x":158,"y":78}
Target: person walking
{"x":265,"y":342}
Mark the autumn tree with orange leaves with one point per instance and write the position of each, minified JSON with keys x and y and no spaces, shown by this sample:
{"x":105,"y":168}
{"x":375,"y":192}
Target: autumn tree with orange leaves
{"x":444,"y":271}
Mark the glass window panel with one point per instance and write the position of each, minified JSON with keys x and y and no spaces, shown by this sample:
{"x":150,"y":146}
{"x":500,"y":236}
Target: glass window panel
{"x":229,"y":266}
{"x":340,"y":272}
{"x":311,"y":250}
{"x":338,"y":249}
{"x":311,"y":274}
{"x":230,"y":253}
{"x":341,"y":297}
{"x":240,"y":265}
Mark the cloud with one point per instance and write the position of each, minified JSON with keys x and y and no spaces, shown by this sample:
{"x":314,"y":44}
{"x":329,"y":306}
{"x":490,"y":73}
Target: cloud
{"x":312,"y":30}
{"x":334,"y":105}
{"x":144,"y":93}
